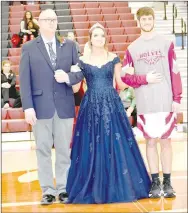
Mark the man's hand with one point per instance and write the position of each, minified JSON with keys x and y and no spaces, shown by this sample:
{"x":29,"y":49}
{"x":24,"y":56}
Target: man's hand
{"x":175,"y":107}
{"x":61,"y":76}
{"x":153,"y":77}
{"x":30,"y":116}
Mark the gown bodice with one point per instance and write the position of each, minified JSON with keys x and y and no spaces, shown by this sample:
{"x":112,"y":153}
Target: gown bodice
{"x":99,"y":78}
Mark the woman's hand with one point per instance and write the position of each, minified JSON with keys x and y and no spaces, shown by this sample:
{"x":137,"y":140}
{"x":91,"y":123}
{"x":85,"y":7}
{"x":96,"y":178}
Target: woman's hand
{"x":5,"y":85}
{"x":29,"y":32}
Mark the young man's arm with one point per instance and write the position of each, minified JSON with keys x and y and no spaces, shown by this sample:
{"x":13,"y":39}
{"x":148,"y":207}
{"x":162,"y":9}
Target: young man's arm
{"x":131,"y":79}
{"x":128,"y":61}
{"x":136,"y":81}
{"x":175,"y":75}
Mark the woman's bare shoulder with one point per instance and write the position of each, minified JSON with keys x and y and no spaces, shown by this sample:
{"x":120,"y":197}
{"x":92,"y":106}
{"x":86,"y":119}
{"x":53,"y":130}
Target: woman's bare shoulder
{"x":83,"y":58}
{"x":111,"y":56}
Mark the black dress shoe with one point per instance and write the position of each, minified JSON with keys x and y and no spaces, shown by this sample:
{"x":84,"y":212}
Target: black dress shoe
{"x":63,"y":197}
{"x":47,"y":199}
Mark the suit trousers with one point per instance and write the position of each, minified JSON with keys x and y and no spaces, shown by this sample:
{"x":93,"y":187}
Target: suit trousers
{"x":49,"y":132}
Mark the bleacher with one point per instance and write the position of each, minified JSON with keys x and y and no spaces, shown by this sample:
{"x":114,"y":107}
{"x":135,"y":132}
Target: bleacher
{"x":116,"y":17}
{"x":78,"y":17}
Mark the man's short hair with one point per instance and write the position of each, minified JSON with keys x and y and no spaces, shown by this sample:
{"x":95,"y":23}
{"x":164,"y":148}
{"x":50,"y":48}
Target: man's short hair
{"x":46,"y":10}
{"x":145,"y":11}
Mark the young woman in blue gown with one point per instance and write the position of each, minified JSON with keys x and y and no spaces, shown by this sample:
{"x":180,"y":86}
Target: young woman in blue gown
{"x":106,"y":163}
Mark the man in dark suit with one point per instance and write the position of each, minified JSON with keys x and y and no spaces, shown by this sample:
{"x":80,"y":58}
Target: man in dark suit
{"x":48,"y":102}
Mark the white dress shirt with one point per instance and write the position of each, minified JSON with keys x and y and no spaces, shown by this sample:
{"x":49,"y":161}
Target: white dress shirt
{"x":54,"y":49}
{"x":53,"y":44}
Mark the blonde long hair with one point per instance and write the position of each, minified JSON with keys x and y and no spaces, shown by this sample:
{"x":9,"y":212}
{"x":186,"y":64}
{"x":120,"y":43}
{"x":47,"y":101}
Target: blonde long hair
{"x":88,"y":45}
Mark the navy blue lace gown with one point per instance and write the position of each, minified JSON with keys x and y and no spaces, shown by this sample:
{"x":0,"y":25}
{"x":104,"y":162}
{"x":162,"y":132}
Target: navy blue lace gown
{"x":106,"y":164}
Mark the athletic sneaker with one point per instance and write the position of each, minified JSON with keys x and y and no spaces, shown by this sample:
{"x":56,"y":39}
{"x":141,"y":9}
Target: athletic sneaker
{"x":155,"y":191}
{"x":168,"y":191}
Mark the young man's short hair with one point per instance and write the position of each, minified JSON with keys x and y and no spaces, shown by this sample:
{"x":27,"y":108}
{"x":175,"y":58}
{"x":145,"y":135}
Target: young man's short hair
{"x":145,"y":11}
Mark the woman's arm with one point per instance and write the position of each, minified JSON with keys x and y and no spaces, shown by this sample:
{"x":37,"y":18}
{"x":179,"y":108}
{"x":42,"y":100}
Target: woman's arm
{"x":22,"y":27}
{"x":84,"y":85}
{"x":13,"y":79}
{"x":114,"y":82}
{"x":117,"y":77}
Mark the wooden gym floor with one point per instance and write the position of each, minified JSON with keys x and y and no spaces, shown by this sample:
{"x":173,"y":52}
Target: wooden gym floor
{"x":21,"y":191}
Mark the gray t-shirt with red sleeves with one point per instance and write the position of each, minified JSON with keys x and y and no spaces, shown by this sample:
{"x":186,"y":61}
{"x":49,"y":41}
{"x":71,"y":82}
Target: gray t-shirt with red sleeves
{"x":148,"y":55}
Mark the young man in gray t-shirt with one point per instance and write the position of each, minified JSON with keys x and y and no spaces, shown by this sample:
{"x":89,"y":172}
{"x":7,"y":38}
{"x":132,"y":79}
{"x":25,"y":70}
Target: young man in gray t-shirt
{"x":157,"y":104}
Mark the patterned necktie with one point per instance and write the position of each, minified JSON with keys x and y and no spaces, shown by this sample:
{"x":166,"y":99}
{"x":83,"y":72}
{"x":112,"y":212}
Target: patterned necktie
{"x":52,"y":55}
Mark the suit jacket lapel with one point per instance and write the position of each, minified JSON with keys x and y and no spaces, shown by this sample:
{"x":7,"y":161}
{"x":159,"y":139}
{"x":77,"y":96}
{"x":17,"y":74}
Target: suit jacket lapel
{"x":43,"y":50}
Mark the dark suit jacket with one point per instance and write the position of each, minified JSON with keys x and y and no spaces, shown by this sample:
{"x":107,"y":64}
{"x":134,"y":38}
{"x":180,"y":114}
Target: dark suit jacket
{"x":39,"y":89}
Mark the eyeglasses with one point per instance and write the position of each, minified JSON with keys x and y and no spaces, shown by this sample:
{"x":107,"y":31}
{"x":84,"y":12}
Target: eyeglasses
{"x":49,"y":20}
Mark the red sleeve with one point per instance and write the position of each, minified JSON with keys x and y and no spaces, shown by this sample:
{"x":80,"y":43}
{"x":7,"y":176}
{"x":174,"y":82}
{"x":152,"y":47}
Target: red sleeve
{"x":128,"y":61}
{"x":134,"y":81}
{"x":175,"y":75}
